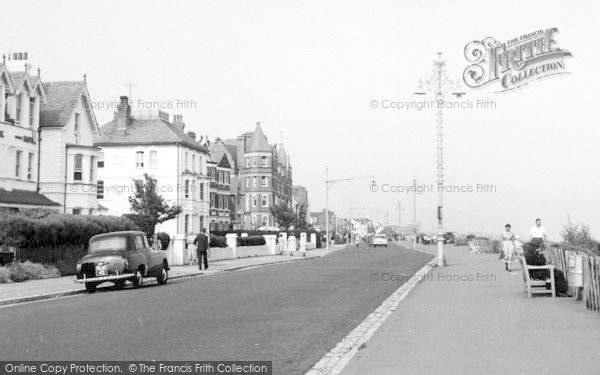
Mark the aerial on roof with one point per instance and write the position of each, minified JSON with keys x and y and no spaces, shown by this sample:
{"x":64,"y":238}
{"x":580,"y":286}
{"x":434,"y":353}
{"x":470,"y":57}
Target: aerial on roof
{"x":146,"y":132}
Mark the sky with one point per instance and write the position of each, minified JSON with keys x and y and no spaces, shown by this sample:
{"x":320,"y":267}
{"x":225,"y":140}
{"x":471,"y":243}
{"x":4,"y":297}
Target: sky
{"x":310,"y":72}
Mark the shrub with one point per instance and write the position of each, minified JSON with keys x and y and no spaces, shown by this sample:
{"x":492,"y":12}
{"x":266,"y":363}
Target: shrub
{"x":255,"y":240}
{"x":164,"y":239}
{"x":22,"y":271}
{"x":217,"y":241}
{"x":4,"y":275}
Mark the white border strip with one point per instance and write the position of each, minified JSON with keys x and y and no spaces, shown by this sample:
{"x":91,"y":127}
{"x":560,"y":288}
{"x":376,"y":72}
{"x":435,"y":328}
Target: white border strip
{"x":334,"y":362}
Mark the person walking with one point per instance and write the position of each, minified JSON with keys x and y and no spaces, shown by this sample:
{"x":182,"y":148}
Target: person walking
{"x":292,"y":244}
{"x":190,"y":238}
{"x":202,"y":246}
{"x":538,"y":236}
{"x":508,"y":246}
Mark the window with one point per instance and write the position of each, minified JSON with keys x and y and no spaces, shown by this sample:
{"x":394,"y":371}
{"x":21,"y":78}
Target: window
{"x":100,"y":163}
{"x":247,"y":182}
{"x":186,"y":224}
{"x":265,"y":220}
{"x":265,"y":200}
{"x":18,"y":163}
{"x":194,"y":163}
{"x":153,"y":159}
{"x":213,"y":200}
{"x":187,"y":188}
{"x":92,"y":163}
{"x":77,"y":211}
{"x":78,"y":169}
{"x":254,"y":161}
{"x":248,"y":202}
{"x":265,"y":181}
{"x":30,"y":166}
{"x":18,"y":114}
{"x":31,"y":112}
{"x":254,"y":181}
{"x":139,"y":243}
{"x":254,"y":200}
{"x":185,"y":161}
{"x":100,"y":190}
{"x":139,"y":159}
{"x":247,"y":162}
{"x":201,"y":192}
{"x":77,"y":128}
{"x":265,"y":161}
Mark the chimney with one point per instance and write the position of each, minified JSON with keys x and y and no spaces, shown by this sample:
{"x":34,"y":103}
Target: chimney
{"x":178,"y":122}
{"x":192,"y":135}
{"x":123,"y":114}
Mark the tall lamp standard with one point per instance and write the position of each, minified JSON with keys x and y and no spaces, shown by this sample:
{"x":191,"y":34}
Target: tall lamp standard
{"x":439,"y":85}
{"x":328,"y":184}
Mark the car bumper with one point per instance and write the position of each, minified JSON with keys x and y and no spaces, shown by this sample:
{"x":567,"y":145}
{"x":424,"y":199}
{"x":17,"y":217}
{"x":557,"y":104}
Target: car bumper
{"x":105,"y":278}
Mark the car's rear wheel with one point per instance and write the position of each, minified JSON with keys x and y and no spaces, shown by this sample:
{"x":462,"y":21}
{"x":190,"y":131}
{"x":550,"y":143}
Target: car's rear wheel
{"x":163,"y":276}
{"x":90,"y":287}
{"x":138,"y":279}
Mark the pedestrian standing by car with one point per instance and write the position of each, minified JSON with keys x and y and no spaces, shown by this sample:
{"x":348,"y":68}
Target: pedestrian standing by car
{"x":538,"y":235}
{"x":202,"y":246}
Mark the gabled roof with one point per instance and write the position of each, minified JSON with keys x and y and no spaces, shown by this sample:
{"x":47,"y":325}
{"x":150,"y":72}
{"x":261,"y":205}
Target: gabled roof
{"x":146,"y":132}
{"x":36,"y":83}
{"x":19,"y":79}
{"x":4,"y":73}
{"x":24,"y":197}
{"x":224,"y":163}
{"x":258,"y":142}
{"x":60,"y":96}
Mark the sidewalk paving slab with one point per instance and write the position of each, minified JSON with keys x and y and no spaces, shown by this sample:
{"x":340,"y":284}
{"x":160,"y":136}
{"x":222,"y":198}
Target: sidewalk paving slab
{"x":34,"y":290}
{"x":472,"y":317}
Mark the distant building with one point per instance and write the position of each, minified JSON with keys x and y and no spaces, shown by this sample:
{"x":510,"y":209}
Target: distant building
{"x":150,"y":144}
{"x":222,"y":187}
{"x":264,"y":175}
{"x":300,"y":203}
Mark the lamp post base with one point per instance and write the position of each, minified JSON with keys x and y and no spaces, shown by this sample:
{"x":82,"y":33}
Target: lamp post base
{"x":441,"y":260}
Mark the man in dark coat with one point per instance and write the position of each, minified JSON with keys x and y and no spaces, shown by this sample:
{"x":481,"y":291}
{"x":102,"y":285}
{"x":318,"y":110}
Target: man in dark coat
{"x":202,"y":247}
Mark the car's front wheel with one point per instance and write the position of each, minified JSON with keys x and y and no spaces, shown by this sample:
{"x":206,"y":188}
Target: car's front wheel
{"x":138,"y":279}
{"x":163,"y":276}
{"x":90,"y":287}
{"x":119,"y":284}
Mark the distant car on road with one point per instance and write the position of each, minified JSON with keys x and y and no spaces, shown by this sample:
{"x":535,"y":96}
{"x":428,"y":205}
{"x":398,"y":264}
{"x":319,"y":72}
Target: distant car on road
{"x":379,"y":240}
{"x":119,"y":257}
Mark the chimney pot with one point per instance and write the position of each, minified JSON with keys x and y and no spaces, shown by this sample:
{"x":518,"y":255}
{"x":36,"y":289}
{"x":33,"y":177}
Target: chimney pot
{"x":123,"y":114}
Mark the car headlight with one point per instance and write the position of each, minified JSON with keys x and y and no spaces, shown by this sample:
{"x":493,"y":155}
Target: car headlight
{"x":125,"y":263}
{"x":78,"y":267}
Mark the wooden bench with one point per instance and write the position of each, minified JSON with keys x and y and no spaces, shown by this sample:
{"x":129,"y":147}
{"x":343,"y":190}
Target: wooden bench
{"x":533,"y":286}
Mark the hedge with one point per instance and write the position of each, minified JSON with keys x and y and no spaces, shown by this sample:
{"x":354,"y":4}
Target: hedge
{"x":58,"y":239}
{"x":254,"y":240}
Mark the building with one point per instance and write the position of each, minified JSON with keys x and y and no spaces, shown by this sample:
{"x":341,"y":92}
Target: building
{"x":150,"y":144}
{"x":264,"y":175}
{"x":224,"y":188}
{"x":21,"y":96}
{"x":68,"y":128}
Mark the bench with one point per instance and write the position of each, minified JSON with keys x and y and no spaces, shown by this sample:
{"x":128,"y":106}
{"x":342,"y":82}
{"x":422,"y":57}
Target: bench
{"x":475,"y":249}
{"x":533,"y":286}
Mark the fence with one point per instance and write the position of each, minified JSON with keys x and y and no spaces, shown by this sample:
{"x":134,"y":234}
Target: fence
{"x":63,"y":257}
{"x":591,"y":272}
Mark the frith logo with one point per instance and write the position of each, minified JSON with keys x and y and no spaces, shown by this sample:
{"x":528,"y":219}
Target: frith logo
{"x":515,"y":63}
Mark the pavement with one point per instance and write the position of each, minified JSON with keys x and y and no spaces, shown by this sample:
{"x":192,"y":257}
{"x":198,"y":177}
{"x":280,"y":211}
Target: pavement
{"x":472,"y":317}
{"x":289,"y":313}
{"x":33,"y":290}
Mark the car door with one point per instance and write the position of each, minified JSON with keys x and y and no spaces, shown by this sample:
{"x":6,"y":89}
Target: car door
{"x":155,"y":257}
{"x":142,"y":251}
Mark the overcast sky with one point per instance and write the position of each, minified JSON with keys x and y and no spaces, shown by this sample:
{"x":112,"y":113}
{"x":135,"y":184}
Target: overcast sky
{"x":309,"y":71}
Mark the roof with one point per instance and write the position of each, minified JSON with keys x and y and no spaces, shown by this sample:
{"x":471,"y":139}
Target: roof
{"x":18,"y":78}
{"x":146,"y":132}
{"x":25,"y":197}
{"x":60,"y":96}
{"x":258,"y":142}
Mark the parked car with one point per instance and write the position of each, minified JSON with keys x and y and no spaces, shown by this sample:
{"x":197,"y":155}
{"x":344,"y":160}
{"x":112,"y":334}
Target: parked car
{"x":119,"y":257}
{"x":378,"y":240}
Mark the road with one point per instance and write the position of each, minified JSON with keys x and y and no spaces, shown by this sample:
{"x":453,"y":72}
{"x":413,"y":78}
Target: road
{"x":291,"y":314}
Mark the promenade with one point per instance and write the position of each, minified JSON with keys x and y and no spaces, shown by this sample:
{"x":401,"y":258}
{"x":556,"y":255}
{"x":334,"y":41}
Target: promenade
{"x":472,"y":317}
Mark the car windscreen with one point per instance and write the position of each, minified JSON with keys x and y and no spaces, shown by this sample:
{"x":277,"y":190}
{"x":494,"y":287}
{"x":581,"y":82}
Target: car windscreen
{"x":108,"y":243}
{"x":380,"y":236}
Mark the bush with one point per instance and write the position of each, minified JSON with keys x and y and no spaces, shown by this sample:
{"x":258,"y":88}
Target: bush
{"x":4,"y":275}
{"x":217,"y":241}
{"x":255,"y":240}
{"x":164,"y":239}
{"x":22,"y":271}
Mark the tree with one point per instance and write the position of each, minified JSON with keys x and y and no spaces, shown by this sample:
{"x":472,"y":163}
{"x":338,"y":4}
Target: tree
{"x":301,"y":223}
{"x":148,"y":207}
{"x":578,"y":234}
{"x":284,"y":216}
